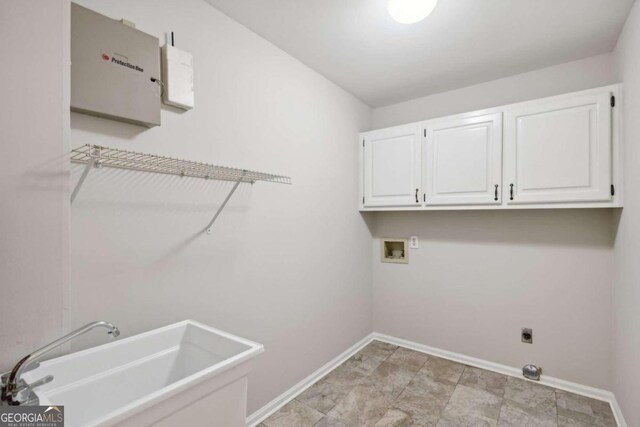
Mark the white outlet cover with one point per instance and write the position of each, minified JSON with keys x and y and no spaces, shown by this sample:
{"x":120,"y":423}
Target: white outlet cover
{"x":414,"y":243}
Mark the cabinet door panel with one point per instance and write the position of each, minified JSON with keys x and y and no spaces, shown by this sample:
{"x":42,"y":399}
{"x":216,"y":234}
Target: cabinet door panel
{"x":464,"y":160}
{"x":559,"y":151}
{"x":392,"y":166}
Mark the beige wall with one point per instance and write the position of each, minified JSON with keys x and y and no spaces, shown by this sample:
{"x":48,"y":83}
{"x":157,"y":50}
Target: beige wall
{"x":34,"y":204}
{"x":479,"y":277}
{"x":626,"y":302}
{"x":290,"y":266}
{"x":287,"y":266}
{"x":572,"y":76}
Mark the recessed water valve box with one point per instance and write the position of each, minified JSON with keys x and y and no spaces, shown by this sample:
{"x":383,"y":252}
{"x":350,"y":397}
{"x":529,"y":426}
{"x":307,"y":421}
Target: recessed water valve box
{"x":394,"y":251}
{"x":115,"y":69}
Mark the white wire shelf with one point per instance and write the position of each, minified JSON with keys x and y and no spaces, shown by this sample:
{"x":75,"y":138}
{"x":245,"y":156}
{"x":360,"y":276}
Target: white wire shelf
{"x":132,"y":160}
{"x":100,"y":156}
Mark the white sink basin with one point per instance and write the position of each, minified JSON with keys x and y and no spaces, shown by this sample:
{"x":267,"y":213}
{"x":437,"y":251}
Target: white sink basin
{"x":183,"y":374}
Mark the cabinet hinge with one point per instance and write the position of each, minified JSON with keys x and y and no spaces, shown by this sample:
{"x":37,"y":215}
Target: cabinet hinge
{"x":613,"y":101}
{"x":613,"y":190}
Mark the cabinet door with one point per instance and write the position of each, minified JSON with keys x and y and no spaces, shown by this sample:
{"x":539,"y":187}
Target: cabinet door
{"x":559,"y":150}
{"x":464,"y":160}
{"x":391,"y":171}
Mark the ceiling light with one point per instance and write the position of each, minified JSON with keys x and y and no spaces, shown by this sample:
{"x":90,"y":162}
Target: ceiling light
{"x":410,"y":11}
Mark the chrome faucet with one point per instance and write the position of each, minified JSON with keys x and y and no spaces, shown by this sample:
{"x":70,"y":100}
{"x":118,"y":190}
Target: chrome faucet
{"x":12,"y":384}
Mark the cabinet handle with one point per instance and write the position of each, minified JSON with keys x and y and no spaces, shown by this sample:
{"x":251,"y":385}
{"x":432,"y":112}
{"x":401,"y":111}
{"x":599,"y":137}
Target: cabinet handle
{"x":417,"y":191}
{"x":511,"y":192}
{"x":495,"y":194}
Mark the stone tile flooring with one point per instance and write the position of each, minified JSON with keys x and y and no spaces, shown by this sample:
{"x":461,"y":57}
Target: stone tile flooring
{"x":386,"y":385}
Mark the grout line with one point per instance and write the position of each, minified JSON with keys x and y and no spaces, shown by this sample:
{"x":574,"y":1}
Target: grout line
{"x":371,"y":373}
{"x":359,"y":352}
{"x":557,"y":414}
{"x":388,"y":407}
{"x":503,"y":400}
{"x":415,"y":374}
{"x":386,"y":360}
{"x":453,"y":391}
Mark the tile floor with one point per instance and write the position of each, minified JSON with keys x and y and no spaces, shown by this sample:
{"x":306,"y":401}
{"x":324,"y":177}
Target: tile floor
{"x":386,"y":385}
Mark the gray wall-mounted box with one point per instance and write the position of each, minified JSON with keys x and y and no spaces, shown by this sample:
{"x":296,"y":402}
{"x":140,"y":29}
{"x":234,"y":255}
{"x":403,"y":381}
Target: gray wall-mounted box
{"x":112,"y":67}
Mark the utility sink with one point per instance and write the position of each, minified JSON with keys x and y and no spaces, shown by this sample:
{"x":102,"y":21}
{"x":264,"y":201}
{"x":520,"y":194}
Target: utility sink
{"x":182,"y":374}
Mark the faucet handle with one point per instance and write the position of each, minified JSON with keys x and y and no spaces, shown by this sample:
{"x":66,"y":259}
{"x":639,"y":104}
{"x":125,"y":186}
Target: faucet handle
{"x":24,"y":394}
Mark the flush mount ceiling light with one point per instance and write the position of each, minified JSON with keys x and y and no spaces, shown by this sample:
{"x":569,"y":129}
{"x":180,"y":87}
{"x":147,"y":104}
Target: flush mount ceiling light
{"x":410,"y":11}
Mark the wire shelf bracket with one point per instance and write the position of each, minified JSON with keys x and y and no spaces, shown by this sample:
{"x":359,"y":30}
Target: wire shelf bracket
{"x":95,"y":156}
{"x":224,"y":203}
{"x":90,"y":164}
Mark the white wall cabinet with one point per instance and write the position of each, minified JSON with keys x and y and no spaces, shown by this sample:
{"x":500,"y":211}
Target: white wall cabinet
{"x":559,"y":152}
{"x":391,"y":166}
{"x":463,"y":160}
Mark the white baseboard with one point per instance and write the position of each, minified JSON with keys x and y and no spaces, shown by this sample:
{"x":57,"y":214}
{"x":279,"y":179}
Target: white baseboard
{"x":617,"y":411}
{"x":263,"y":413}
{"x":571,"y":387}
{"x":271,"y":407}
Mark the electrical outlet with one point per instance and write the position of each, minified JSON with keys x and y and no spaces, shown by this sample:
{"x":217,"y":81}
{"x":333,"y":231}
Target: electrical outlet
{"x":527,"y":335}
{"x":414,"y":243}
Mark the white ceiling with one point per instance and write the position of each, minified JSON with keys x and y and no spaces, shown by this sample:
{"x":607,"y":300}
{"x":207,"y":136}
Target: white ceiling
{"x":356,"y":44}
